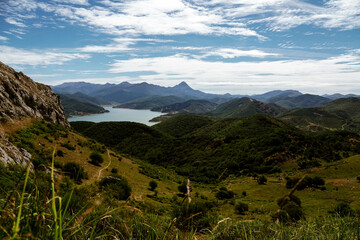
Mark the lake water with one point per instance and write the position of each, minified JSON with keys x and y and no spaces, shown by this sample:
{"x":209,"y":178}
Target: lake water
{"x":119,"y":114}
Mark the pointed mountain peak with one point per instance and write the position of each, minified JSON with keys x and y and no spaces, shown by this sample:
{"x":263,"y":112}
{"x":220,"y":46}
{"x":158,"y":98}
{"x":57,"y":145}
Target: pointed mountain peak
{"x":183,"y":85}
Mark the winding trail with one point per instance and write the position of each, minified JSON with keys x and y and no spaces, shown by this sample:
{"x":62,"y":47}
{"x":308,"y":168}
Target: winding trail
{"x":108,"y":153}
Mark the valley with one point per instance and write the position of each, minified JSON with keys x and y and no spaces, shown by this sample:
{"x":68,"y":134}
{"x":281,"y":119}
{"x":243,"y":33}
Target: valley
{"x":216,"y":168}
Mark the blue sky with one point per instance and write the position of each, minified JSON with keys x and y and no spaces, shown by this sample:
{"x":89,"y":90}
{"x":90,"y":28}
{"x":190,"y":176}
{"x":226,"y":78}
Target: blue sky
{"x":217,"y":46}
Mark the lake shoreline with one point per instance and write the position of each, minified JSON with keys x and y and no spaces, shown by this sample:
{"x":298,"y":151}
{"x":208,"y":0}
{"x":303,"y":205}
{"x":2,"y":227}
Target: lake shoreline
{"x":119,"y":115}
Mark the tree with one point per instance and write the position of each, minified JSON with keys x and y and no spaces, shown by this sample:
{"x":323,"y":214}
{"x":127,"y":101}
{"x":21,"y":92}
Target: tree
{"x":153,"y":184}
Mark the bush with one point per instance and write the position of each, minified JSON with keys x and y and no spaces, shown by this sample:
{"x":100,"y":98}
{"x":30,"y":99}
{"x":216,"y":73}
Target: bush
{"x":262,"y":180}
{"x":153,"y":184}
{"x":293,"y":198}
{"x":343,"y":209}
{"x":75,"y":171}
{"x":223,"y":193}
{"x":96,"y":158}
{"x":294,"y":211}
{"x":183,"y":188}
{"x":117,"y":186}
{"x":60,"y":153}
{"x":241,"y":208}
{"x":114,"y":170}
{"x":315,"y":182}
{"x":358,"y":178}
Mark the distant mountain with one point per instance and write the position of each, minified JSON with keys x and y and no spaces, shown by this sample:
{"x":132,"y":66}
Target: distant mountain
{"x":126,"y":92}
{"x":340,"y":114}
{"x":191,"y":106}
{"x":83,"y":87}
{"x":151,"y":102}
{"x":275,"y":93}
{"x":244,"y":107}
{"x":300,"y":101}
{"x":338,"y":95}
{"x":86,"y":98}
{"x":74,"y":106}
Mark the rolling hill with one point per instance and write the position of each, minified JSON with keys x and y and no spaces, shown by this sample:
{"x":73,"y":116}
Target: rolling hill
{"x":299,"y":101}
{"x":340,"y":114}
{"x":209,"y":150}
{"x":245,"y":106}
{"x":74,"y":106}
{"x":151,"y":102}
{"x":191,"y":106}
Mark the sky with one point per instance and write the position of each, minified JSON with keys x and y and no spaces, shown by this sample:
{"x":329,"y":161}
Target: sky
{"x":217,"y":46}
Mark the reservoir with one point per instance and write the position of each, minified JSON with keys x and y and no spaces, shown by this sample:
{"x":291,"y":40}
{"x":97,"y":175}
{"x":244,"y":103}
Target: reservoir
{"x":119,"y":114}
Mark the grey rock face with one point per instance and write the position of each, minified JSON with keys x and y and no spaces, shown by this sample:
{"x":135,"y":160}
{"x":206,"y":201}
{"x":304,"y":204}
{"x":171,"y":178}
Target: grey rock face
{"x":9,"y":154}
{"x":22,"y":97}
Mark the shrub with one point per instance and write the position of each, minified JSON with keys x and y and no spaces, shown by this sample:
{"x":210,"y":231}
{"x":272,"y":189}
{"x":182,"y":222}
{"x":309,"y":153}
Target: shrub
{"x":317,"y":181}
{"x":244,"y":193}
{"x":117,"y":186}
{"x":60,"y":153}
{"x":96,"y":158}
{"x":294,"y":211}
{"x":293,"y":198}
{"x":262,"y":180}
{"x":223,"y":193}
{"x":182,"y":188}
{"x":68,"y":146}
{"x":241,"y":208}
{"x":114,"y":170}
{"x":358,"y":178}
{"x":153,"y":184}
{"x":343,"y":209}
{"x":307,"y":182}
{"x":75,"y":171}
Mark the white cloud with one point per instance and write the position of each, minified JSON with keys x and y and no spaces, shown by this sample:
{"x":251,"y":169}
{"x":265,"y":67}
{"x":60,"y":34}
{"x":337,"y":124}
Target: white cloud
{"x":119,"y":45}
{"x":78,"y":2}
{"x":11,"y":55}
{"x":2,"y":38}
{"x":340,"y":73}
{"x":14,"y":22}
{"x":233,"y":53}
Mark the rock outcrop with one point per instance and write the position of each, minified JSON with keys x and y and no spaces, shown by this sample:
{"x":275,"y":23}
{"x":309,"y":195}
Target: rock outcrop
{"x":22,"y":97}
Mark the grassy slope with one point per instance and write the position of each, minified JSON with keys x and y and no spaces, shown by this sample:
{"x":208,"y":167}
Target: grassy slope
{"x":340,"y":183}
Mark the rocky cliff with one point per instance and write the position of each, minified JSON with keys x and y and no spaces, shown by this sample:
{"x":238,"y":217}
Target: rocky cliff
{"x":21,"y":97}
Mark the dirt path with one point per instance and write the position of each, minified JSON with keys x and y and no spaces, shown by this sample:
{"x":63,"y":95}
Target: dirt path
{"x":108,"y":153}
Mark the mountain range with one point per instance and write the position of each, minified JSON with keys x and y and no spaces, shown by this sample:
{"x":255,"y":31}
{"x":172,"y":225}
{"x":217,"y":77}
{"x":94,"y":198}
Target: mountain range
{"x":306,"y":111}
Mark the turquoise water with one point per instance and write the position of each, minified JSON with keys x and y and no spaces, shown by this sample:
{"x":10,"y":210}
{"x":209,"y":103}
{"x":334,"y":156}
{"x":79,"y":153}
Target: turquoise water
{"x":119,"y":114}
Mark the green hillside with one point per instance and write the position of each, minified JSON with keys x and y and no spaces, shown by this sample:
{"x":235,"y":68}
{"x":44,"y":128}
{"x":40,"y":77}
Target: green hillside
{"x":179,"y":126}
{"x":95,"y":207}
{"x":191,"y":106}
{"x":255,"y":143}
{"x":73,"y":106}
{"x":241,"y":107}
{"x":341,"y":114}
{"x":300,"y":101}
{"x":151,"y":102}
